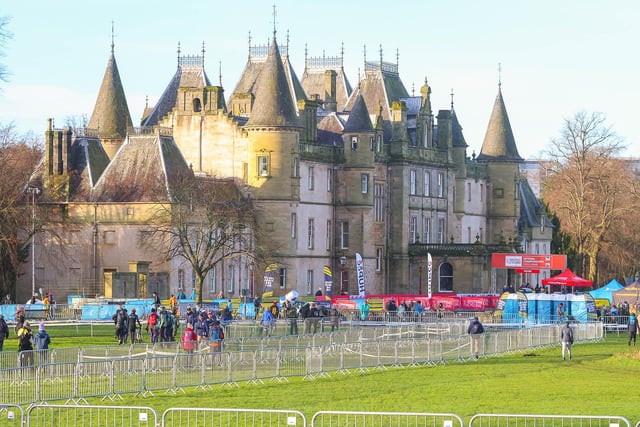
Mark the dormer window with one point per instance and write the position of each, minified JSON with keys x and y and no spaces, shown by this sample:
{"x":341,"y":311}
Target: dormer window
{"x":197,"y":106}
{"x":354,"y":143}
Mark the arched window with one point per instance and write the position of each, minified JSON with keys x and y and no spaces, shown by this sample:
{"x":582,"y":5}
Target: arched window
{"x":445,"y":275}
{"x":197,"y":107}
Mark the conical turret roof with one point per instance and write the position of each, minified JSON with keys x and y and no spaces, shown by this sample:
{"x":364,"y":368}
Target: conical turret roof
{"x":273,"y":105}
{"x":111,"y":115}
{"x":499,"y":143}
{"x":359,"y":120}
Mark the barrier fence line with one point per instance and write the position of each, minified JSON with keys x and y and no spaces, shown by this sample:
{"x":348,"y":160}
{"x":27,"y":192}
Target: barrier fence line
{"x":531,"y":420}
{"x":12,"y":416}
{"x":91,"y":415}
{"x":384,"y":419}
{"x":179,"y":417}
{"x":109,"y":372}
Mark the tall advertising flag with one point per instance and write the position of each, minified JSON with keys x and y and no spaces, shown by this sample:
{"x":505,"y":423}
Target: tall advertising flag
{"x":269,"y":278}
{"x":429,"y":274}
{"x":360,"y":274}
{"x":328,"y":281}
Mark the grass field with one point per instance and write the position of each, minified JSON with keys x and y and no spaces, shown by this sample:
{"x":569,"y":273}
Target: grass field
{"x":600,"y":380}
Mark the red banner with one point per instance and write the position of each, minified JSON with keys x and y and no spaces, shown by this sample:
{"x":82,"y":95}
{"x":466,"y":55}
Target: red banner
{"x":529,"y":261}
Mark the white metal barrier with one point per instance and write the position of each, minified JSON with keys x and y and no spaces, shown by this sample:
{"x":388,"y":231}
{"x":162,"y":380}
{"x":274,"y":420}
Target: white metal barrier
{"x":179,"y":417}
{"x":91,"y":416}
{"x":11,"y":416}
{"x":384,"y":419}
{"x":531,"y":420}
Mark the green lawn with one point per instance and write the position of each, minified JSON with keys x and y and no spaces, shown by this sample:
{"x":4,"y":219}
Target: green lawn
{"x":599,"y":380}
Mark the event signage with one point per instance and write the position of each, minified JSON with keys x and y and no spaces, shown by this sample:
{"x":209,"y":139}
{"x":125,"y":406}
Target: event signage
{"x":529,"y":261}
{"x":429,"y":273}
{"x":360,"y":274}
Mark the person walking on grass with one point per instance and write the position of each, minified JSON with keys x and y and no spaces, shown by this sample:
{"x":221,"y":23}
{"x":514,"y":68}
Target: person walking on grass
{"x":633,"y":328}
{"x":4,"y":331}
{"x":475,"y":331}
{"x":42,"y":341}
{"x":566,"y":336}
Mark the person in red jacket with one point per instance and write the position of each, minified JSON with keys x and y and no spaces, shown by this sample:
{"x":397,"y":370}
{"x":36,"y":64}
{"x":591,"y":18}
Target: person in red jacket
{"x":189,"y":341}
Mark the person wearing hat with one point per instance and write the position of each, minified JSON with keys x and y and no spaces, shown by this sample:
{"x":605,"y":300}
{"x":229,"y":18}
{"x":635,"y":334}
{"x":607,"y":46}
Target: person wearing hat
{"x":4,"y":331}
{"x":189,"y":340}
{"x":475,"y":331}
{"x":25,"y":348}
{"x":133,"y":324}
{"x":42,"y":341}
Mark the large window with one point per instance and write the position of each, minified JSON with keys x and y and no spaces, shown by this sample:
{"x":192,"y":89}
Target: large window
{"x":413,"y":229}
{"x":426,"y":238}
{"x":309,"y":287}
{"x":441,"y":231}
{"x":378,"y":202}
{"x":310,"y":178}
{"x":231,"y":278}
{"x":283,"y":278}
{"x":329,"y":179}
{"x":344,"y":235}
{"x":427,"y":184}
{"x":263,"y":165}
{"x":412,"y":182}
{"x":328,"y":236}
{"x":294,"y":225}
{"x":445,"y":274}
{"x":378,"y":259}
{"x":364,"y":179}
{"x":310,"y":233}
{"x":440,"y":184}
{"x":211,"y":276}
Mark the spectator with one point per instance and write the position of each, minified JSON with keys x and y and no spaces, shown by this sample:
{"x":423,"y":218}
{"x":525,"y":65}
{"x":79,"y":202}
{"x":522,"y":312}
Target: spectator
{"x":274,"y":310}
{"x":42,"y":341}
{"x":475,"y":331}
{"x":560,"y":313}
{"x":133,"y":325}
{"x":120,"y":322}
{"x":418,"y":309}
{"x":292,"y":316}
{"x":189,"y":340}
{"x":334,"y":318}
{"x":305,"y":313}
{"x":173,"y":302}
{"x":364,"y":310}
{"x":566,"y":336}
{"x":7,"y":299}
{"x":202,"y":328}
{"x":215,"y":342}
{"x":152,"y":326}
{"x":314,"y":315}
{"x":156,"y":300}
{"x":19,"y":316}
{"x":4,"y":331}
{"x":267,"y":322}
{"x":319,"y":293}
{"x":24,"y":345}
{"x":181,"y":295}
{"x":633,"y":328}
{"x":191,"y":317}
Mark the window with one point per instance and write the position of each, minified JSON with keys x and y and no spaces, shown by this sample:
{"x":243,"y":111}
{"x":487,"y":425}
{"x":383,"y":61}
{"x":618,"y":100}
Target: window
{"x":378,"y":202}
{"x":412,"y":182}
{"x":481,"y":192}
{"x":310,"y":178}
{"x":469,"y":235}
{"x":197,"y":105}
{"x":469,"y":191}
{"x":309,"y":282}
{"x":263,"y":165}
{"x":328,"y":236}
{"x":181,"y":279}
{"x":344,"y":235}
{"x":329,"y":180}
{"x":129,"y":211}
{"x":440,"y":230}
{"x":426,"y":233}
{"x":283,"y":278}
{"x":294,"y":225}
{"x":378,"y":143}
{"x":212,"y":279}
{"x":537,"y":248}
{"x":354,"y":143}
{"x":413,"y":225}
{"x":371,"y":144}
{"x":498,"y":193}
{"x":427,"y":184}
{"x":445,"y":273}
{"x":296,"y":167}
{"x":310,"y":232}
{"x":364,"y":178}
{"x":378,"y":259}
{"x":440,"y":184}
{"x":231,"y":277}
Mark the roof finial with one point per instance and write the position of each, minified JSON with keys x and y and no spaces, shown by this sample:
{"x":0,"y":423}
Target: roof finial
{"x":413,"y":88}
{"x":342,"y":55}
{"x":178,"y":54}
{"x":499,"y":75}
{"x":203,"y":51}
{"x":146,"y":102}
{"x":364,"y":49}
{"x":274,"y":20}
{"x":287,"y":43}
{"x":380,"y":56}
{"x":306,"y":56}
{"x":359,"y":78}
{"x":220,"y":73}
{"x":452,"y":98}
{"x":249,"y":44}
{"x":398,"y":57}
{"x":112,"y":37}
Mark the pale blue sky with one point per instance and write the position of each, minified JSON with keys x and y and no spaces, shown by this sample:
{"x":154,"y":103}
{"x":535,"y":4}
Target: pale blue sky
{"x":557,"y":57}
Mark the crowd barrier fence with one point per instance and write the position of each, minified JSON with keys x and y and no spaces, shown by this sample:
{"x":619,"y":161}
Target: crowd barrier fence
{"x":529,"y":420}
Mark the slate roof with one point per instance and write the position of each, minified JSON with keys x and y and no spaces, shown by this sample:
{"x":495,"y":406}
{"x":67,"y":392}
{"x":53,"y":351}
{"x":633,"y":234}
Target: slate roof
{"x":499,"y":143}
{"x":359,"y":120}
{"x":330,"y":130}
{"x":532,"y":212}
{"x":273,"y":105}
{"x":313,"y":82}
{"x":190,"y":75}
{"x":457,"y":137}
{"x":111,"y":115}
{"x":144,"y":169}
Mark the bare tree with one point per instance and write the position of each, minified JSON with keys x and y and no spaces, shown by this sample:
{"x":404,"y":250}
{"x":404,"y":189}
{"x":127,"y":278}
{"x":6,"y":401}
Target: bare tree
{"x":207,"y":222}
{"x":5,"y":36}
{"x":19,"y":155}
{"x":587,"y":185}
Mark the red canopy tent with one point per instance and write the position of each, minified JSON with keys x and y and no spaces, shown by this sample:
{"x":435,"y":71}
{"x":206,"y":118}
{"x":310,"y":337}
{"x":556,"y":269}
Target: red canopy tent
{"x":567,"y":278}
